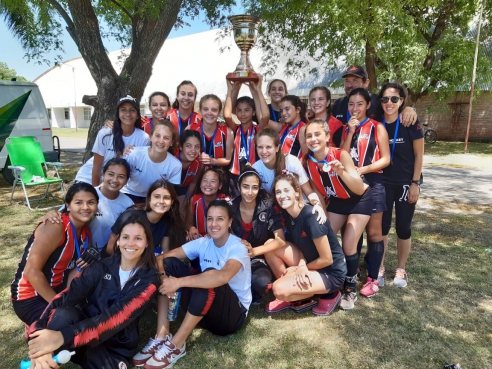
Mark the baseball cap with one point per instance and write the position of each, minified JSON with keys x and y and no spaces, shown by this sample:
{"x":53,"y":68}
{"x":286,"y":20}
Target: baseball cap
{"x":130,"y":100}
{"x":356,"y":70}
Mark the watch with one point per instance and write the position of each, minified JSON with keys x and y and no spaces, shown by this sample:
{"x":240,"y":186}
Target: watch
{"x":415,"y":181}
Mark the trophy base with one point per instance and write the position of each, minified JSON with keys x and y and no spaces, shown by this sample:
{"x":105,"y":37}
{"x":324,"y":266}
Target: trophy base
{"x":236,"y":77}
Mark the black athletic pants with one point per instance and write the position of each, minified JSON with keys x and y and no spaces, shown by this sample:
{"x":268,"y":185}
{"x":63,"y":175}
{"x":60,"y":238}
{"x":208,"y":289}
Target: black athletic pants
{"x":220,"y":307}
{"x":98,"y":357}
{"x":398,"y":195}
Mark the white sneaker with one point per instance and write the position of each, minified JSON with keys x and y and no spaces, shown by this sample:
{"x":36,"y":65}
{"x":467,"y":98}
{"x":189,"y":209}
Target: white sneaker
{"x":401,"y":278}
{"x":150,"y":348}
{"x":165,"y":356}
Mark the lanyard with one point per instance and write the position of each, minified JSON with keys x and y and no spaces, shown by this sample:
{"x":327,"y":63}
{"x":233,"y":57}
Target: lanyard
{"x":204,"y":207}
{"x":359,"y":126}
{"x":348,"y":115}
{"x":273,"y":115}
{"x":247,"y":143}
{"x":76,"y":242}
{"x":179,"y":121}
{"x":204,"y":140}
{"x":324,"y":161}
{"x":151,"y":124}
{"x":287,"y":131}
{"x":395,"y":136}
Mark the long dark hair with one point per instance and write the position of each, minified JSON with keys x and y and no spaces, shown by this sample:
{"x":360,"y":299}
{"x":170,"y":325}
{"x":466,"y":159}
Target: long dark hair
{"x":280,"y":157}
{"x":327,"y":93}
{"x":187,"y":133}
{"x":147,"y":259}
{"x":118,"y":144}
{"x":247,"y":172}
{"x":184,"y":83}
{"x":76,"y":188}
{"x":118,"y":160}
{"x":220,"y":203}
{"x":248,"y":100}
{"x":297,"y":103}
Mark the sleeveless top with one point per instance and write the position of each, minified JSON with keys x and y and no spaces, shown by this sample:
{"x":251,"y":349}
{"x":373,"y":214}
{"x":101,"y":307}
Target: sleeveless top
{"x":289,"y":139}
{"x":244,"y":146}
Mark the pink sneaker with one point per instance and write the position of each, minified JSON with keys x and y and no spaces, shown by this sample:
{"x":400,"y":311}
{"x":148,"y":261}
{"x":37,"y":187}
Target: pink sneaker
{"x":277,"y":305}
{"x":327,"y":306}
{"x":371,"y":288}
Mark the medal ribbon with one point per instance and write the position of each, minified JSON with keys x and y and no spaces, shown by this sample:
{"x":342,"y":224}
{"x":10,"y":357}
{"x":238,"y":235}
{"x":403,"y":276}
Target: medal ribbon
{"x":287,"y":131}
{"x":179,"y":122}
{"x":76,"y":242}
{"x":247,"y":143}
{"x":395,"y":136}
{"x":212,"y":141}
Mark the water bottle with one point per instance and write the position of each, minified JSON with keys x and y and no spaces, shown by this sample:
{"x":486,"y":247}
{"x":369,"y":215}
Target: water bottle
{"x":63,"y":357}
{"x":172,"y":311}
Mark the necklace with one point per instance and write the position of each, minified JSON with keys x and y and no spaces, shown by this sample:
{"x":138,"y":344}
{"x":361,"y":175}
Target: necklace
{"x":292,"y":220}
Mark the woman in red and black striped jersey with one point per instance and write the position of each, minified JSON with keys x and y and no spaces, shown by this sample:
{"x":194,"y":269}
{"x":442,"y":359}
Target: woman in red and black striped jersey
{"x":367,"y":142}
{"x":182,"y":114}
{"x":98,"y":315}
{"x":292,"y":138}
{"x":159,"y":104}
{"x":335,"y":178}
{"x":52,"y":253}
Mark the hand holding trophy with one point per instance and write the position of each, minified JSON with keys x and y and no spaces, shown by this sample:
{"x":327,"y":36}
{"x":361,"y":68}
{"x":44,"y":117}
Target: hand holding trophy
{"x":245,"y":30}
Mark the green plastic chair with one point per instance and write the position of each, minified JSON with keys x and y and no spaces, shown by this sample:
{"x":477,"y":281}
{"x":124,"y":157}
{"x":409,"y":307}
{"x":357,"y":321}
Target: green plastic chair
{"x":29,"y":166}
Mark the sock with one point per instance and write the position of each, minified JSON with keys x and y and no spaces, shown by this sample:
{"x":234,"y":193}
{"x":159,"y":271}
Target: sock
{"x":374,"y":256}
{"x":328,"y":296}
{"x":359,"y":244}
{"x":352,"y":266}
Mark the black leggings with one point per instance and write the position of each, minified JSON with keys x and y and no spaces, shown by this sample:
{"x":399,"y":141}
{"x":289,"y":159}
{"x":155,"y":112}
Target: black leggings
{"x":97,"y":357}
{"x":220,"y":307}
{"x":261,"y":276}
{"x":398,"y":195}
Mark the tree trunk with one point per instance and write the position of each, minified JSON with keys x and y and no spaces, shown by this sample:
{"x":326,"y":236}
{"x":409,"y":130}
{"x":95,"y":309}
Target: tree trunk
{"x":149,"y":35}
{"x":371,"y":66}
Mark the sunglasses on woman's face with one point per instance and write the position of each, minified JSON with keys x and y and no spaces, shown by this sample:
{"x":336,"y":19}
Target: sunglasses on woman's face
{"x":394,"y":99}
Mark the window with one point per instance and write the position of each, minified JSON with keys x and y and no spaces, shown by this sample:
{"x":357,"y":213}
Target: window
{"x":48,"y":113}
{"x":87,"y":114}
{"x":67,"y":113}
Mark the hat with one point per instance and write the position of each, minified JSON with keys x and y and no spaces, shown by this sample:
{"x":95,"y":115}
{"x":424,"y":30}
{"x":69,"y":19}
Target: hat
{"x":356,"y":70}
{"x":130,"y":100}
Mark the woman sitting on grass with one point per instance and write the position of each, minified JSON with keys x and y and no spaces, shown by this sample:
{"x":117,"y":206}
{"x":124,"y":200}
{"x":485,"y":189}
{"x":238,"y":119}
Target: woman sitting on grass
{"x":217,"y":299}
{"x":97,"y":316}
{"x":52,"y":252}
{"x":322,"y":269}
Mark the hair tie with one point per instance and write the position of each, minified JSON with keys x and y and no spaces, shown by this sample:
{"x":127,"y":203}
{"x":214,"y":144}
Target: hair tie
{"x":287,"y":172}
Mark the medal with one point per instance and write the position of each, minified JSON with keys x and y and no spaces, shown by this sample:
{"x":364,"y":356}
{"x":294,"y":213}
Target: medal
{"x":326,"y":167}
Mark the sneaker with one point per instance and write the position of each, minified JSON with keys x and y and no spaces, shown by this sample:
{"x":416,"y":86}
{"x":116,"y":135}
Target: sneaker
{"x":349,"y":297}
{"x":327,"y":306}
{"x":381,"y":277}
{"x":165,"y":356}
{"x":401,"y":278}
{"x":150,"y":348}
{"x":370,"y":289}
{"x":277,"y":305}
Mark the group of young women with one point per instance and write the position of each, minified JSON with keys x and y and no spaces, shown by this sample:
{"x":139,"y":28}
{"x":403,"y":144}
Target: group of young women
{"x":245,"y":204}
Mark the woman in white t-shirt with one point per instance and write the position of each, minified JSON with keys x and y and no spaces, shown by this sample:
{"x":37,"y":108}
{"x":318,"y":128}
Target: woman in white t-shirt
{"x":111,"y":142}
{"x":217,"y":299}
{"x":149,"y":164}
{"x":273,"y":163}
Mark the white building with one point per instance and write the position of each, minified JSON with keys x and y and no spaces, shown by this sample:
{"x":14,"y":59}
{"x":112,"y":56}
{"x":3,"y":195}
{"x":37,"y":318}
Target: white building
{"x":195,"y":57}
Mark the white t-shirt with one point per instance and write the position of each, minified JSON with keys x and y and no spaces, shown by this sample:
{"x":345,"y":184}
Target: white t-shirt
{"x":215,"y":257}
{"x":145,"y":171}
{"x":104,"y":147}
{"x":292,"y":164}
{"x":107,"y":213}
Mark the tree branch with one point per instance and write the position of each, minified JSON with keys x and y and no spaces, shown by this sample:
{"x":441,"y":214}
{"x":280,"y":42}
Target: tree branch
{"x":67,"y":19}
{"x":123,"y":9}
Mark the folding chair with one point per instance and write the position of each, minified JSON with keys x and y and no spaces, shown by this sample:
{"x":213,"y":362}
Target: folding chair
{"x":28,"y":166}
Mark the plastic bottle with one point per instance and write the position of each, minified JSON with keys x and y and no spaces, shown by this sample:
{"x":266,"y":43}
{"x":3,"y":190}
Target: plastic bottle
{"x":172,"y":311}
{"x":63,"y":357}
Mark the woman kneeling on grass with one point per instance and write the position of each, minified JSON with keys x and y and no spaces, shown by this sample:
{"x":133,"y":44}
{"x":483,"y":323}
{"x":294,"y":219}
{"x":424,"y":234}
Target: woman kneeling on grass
{"x":97,"y":316}
{"x":322,"y":269}
{"x":217,"y":299}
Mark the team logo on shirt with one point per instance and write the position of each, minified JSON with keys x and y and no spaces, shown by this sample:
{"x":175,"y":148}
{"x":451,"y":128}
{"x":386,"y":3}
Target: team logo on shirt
{"x":242,"y":153}
{"x":107,"y":277}
{"x":291,"y":137}
{"x":207,"y":261}
{"x":218,"y":144}
{"x":137,"y":169}
{"x":330,"y":192}
{"x":354,"y":154}
{"x":191,"y":173}
{"x":71,"y":265}
{"x":364,"y":136}
{"x":404,"y":196}
{"x":303,"y":234}
{"x":122,"y":365}
{"x":262,"y":217}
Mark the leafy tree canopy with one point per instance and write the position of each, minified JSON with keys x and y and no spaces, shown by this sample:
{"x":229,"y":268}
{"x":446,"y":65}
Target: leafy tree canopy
{"x":425,"y":44}
{"x":6,"y":74}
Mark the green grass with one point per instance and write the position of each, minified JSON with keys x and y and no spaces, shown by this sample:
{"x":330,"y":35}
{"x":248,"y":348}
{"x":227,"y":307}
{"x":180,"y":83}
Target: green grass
{"x":443,"y":316}
{"x":442,"y":148}
{"x":70,"y":132}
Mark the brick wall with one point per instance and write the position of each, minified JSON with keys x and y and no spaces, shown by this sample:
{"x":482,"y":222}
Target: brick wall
{"x":449,"y":118}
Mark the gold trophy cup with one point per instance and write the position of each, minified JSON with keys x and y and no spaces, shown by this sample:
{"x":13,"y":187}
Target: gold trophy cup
{"x":245,"y":29}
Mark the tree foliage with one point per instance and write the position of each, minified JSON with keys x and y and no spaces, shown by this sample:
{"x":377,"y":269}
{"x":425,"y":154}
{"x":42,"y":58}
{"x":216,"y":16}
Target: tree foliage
{"x":141,"y":25}
{"x":425,"y":44}
{"x":6,"y":74}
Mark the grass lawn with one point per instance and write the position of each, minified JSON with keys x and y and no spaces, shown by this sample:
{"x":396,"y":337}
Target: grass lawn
{"x":443,"y":316}
{"x":70,"y":132}
{"x":442,"y":148}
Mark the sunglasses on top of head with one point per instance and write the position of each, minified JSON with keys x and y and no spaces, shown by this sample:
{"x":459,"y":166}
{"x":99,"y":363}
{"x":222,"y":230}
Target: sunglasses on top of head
{"x":394,"y":99}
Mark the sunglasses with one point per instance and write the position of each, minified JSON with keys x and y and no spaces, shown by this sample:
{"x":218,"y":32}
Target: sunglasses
{"x":394,"y":99}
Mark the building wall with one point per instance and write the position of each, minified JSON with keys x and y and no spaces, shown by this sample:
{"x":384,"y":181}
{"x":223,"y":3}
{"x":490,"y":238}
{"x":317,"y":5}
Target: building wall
{"x":449,"y":119}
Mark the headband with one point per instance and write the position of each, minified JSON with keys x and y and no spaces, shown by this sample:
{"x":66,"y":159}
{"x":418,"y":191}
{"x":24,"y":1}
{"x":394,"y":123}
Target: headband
{"x":249,"y":171}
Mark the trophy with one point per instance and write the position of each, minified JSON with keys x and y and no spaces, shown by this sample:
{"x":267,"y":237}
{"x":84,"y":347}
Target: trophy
{"x":245,"y":29}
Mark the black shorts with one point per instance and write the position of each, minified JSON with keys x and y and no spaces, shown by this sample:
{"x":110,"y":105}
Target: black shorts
{"x":355,"y":205}
{"x":378,"y":197}
{"x":331,"y":283}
